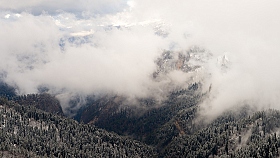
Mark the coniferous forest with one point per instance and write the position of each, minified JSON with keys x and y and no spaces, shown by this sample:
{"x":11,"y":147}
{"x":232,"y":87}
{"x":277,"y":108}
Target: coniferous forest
{"x":139,"y":79}
{"x":29,"y":132}
{"x":171,"y":130}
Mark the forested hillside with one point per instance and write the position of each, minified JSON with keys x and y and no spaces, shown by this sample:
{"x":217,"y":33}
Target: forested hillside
{"x":43,"y":101}
{"x":229,"y":136}
{"x":151,"y":122}
{"x":139,"y":78}
{"x":30,"y":132}
{"x":161,"y":129}
{"x":174,"y":130}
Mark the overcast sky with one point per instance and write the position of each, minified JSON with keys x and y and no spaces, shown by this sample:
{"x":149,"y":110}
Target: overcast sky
{"x":122,"y":60}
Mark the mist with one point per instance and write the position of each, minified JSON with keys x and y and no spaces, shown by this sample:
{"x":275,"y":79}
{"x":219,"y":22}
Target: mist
{"x":111,"y":46}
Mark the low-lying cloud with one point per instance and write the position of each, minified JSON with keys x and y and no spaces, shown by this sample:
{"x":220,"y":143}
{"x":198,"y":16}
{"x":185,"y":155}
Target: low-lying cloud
{"x":111,"y":46}
{"x":79,"y":7}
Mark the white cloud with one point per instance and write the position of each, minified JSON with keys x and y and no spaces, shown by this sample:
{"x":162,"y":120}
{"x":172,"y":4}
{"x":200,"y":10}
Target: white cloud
{"x":74,"y":6}
{"x":119,"y":61}
{"x":122,"y":60}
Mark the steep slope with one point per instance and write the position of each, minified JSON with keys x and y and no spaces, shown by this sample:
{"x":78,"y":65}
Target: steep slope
{"x":29,"y":132}
{"x":231,"y":136}
{"x":43,"y":101}
{"x":154,"y":124}
{"x":175,"y":131}
{"x":6,"y":90}
{"x":147,"y":116}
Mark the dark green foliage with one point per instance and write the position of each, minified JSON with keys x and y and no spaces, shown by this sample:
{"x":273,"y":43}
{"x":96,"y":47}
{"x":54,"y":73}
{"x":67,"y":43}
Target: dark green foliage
{"x":171,"y":128}
{"x":153,"y":124}
{"x":248,"y":137}
{"x":6,"y":90}
{"x":43,"y":101}
{"x":30,"y":132}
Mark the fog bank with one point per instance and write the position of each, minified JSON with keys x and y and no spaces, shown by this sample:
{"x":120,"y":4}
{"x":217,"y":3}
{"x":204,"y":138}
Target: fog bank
{"x":111,"y":46}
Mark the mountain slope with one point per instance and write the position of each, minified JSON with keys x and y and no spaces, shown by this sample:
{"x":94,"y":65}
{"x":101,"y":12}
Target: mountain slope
{"x":29,"y":132}
{"x":230,"y":136}
{"x":43,"y":101}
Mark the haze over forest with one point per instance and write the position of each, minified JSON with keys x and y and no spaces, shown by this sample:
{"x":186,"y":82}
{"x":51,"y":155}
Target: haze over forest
{"x":139,"y":78}
{"x":79,"y":48}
